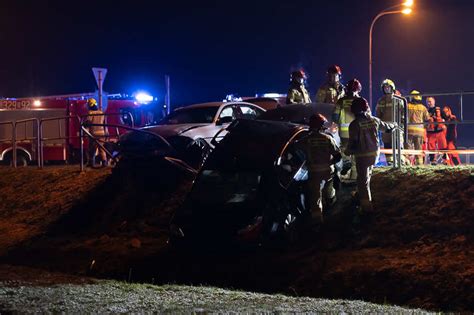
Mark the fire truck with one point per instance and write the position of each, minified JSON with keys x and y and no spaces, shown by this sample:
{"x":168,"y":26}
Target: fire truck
{"x":53,"y":123}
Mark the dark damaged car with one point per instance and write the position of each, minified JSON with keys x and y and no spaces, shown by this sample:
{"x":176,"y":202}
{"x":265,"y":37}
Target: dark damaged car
{"x":251,"y":187}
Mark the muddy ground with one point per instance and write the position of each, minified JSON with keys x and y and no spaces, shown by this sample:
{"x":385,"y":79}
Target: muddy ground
{"x":416,"y":249}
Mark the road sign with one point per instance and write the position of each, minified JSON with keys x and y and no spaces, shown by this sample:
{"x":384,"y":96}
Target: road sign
{"x":99,"y":74}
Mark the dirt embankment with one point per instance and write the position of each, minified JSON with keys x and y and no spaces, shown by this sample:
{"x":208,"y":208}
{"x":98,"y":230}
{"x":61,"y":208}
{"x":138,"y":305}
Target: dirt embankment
{"x":416,"y":249}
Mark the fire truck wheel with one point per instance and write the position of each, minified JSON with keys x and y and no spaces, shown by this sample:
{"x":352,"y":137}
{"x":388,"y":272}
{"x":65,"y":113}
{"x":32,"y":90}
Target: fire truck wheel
{"x":21,"y":160}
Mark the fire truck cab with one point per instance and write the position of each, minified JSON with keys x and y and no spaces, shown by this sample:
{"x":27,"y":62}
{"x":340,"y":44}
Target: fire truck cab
{"x":53,"y":123}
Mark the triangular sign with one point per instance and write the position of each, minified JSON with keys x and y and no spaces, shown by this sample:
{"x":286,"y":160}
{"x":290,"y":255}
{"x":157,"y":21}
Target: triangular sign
{"x":99,"y":74}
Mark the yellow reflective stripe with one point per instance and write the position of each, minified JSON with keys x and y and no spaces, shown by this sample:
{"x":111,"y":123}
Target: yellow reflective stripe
{"x":413,"y":128}
{"x":345,"y":125}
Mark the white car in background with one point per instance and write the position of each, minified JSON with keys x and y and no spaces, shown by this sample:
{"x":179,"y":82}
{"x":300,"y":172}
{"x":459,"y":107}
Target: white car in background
{"x":189,"y":130}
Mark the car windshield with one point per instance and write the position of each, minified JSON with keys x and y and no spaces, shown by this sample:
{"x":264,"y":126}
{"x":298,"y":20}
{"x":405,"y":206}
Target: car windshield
{"x":204,"y":115}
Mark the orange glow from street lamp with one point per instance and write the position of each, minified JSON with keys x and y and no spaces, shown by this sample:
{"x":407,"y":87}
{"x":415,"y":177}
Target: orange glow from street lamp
{"x":408,"y":3}
{"x":406,"y":11}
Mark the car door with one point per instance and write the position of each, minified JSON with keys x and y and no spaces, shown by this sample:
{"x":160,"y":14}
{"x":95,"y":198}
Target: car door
{"x":224,"y":117}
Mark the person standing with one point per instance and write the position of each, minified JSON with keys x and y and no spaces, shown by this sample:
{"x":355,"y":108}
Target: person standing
{"x":297,"y":93}
{"x":322,"y":153}
{"x":343,"y":116}
{"x":96,"y":117}
{"x":385,"y":110}
{"x":417,"y":113}
{"x":451,"y":134}
{"x":435,"y":132}
{"x":331,"y":91}
{"x":364,"y":144}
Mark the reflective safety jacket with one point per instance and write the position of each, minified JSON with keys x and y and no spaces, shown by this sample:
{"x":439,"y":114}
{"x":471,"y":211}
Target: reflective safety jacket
{"x":330,"y":94}
{"x":384,"y":108}
{"x":417,"y":113}
{"x":364,"y":135}
{"x":98,"y":119}
{"x":297,"y":94}
{"x":321,"y":151}
{"x":343,"y":115}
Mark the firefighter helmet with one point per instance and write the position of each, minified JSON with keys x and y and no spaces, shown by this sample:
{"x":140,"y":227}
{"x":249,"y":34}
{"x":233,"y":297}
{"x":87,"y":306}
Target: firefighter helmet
{"x":91,"y":103}
{"x":415,"y":95}
{"x":298,"y":75}
{"x":359,"y":105}
{"x":389,"y":83}
{"x":317,"y":121}
{"x":354,"y":85}
{"x":335,"y":69}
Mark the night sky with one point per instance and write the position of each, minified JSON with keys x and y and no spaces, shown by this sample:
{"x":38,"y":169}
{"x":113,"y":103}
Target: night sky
{"x":212,"y":48}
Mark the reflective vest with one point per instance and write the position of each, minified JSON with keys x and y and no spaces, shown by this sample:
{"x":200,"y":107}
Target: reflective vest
{"x":344,"y":115}
{"x":298,"y":95}
{"x":417,"y":113}
{"x":363,"y":135}
{"x":384,"y":108}
{"x":320,"y":148}
{"x":329,"y":94}
{"x":97,"y":120}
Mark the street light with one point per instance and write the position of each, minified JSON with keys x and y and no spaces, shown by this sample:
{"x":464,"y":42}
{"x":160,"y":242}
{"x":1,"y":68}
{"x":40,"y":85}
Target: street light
{"x":407,"y":10}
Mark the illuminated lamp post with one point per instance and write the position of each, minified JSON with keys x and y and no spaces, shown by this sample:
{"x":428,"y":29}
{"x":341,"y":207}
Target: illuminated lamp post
{"x":406,"y":10}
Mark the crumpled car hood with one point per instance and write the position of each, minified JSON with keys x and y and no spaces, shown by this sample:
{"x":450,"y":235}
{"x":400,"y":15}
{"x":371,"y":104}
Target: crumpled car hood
{"x":167,"y":131}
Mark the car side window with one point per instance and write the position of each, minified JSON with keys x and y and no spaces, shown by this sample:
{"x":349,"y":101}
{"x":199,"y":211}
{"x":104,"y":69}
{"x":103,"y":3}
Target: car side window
{"x":227,"y":112}
{"x":249,"y":112}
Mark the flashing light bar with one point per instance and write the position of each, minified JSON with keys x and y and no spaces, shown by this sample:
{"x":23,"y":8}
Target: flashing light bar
{"x":143,"y":97}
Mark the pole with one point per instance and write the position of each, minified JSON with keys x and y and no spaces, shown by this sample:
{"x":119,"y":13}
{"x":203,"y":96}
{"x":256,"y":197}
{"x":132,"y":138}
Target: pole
{"x":370,"y":49}
{"x":99,"y":83}
{"x":168,"y":96}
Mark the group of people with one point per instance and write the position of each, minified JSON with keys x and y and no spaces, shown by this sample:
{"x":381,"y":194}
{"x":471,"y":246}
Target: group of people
{"x":428,"y":128}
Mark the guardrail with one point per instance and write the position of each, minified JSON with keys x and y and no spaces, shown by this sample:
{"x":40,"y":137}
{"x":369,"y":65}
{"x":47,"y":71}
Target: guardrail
{"x":26,"y":138}
{"x":85,"y":131}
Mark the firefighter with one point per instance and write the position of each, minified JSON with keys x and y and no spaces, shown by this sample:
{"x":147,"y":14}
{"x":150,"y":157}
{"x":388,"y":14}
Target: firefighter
{"x":98,"y":132}
{"x":384,"y":111}
{"x":322,"y":153}
{"x":332,"y":90}
{"x":364,"y":144}
{"x":417,"y":113}
{"x":436,"y":133}
{"x":451,"y":134}
{"x":297,"y":93}
{"x":343,"y":116}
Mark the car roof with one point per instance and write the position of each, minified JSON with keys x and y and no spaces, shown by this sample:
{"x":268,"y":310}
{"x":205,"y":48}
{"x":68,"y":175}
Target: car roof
{"x":252,"y":144}
{"x":202,"y":105}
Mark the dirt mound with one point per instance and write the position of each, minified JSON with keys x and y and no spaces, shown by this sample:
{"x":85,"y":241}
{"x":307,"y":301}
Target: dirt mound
{"x":415,"y":249}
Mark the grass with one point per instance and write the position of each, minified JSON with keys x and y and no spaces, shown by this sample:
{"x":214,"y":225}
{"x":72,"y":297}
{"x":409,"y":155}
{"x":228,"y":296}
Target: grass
{"x":121,"y":297}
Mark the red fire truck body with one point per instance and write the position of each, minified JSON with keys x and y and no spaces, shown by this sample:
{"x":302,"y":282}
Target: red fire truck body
{"x":59,"y":119}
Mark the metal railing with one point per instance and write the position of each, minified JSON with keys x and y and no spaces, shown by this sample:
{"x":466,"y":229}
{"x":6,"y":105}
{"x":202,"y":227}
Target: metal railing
{"x":67,"y":119}
{"x":26,"y":138}
{"x":40,"y":140}
{"x":11,"y":140}
{"x":84,"y":131}
{"x":461,"y":95}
